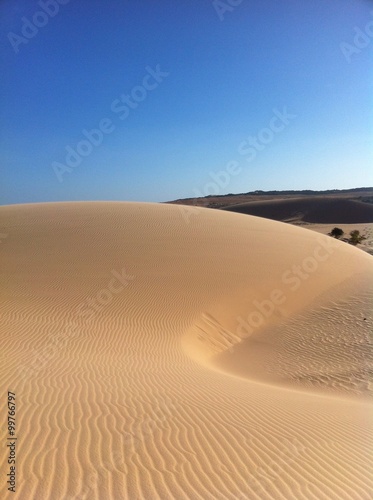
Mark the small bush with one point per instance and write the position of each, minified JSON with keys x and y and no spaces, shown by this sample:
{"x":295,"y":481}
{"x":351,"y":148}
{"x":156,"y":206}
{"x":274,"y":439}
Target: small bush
{"x":356,"y":237}
{"x":337,"y":232}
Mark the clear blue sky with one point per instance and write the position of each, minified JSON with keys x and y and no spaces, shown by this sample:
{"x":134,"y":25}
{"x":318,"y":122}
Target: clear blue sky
{"x":227,"y":73}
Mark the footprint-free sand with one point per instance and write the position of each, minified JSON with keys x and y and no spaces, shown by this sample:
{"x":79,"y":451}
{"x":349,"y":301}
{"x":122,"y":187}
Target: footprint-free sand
{"x":164,"y":351}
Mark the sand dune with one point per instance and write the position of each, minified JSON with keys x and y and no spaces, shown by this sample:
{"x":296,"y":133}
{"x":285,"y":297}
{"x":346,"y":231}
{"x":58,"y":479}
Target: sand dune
{"x":317,"y":209}
{"x":161,"y":351}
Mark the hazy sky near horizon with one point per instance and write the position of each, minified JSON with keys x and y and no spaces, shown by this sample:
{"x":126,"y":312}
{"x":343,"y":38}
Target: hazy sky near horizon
{"x":187,"y":98}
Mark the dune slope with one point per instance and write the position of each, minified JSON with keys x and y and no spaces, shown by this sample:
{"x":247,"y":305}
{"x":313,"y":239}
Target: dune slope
{"x":161,"y":351}
{"x":318,"y":209}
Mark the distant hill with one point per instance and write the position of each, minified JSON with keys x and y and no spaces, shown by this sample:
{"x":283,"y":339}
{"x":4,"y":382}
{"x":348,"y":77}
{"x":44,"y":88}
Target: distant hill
{"x":346,"y":206}
{"x":322,"y":210}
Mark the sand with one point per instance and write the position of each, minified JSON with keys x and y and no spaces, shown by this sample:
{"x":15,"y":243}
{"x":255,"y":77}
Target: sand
{"x":161,"y":351}
{"x":364,"y":229}
{"x":311,"y":209}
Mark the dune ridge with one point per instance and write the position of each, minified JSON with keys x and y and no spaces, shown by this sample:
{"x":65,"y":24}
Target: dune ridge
{"x":127,"y":388}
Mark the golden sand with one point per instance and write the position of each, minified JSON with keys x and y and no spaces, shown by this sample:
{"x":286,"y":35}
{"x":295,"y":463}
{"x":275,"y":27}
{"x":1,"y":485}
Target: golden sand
{"x":160,"y":351}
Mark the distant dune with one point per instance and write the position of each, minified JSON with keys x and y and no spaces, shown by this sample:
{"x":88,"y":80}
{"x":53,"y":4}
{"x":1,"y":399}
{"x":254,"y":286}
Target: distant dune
{"x":349,"y":206}
{"x":309,"y":209}
{"x":162,"y":351}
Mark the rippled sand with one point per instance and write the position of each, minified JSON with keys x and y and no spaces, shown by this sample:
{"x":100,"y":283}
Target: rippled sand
{"x":162,"y":351}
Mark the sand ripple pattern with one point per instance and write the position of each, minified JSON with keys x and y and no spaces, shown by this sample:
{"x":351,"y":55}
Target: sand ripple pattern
{"x":110,"y":402}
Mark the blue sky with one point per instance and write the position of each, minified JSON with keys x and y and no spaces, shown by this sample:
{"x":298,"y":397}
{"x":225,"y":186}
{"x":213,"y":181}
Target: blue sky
{"x":225,"y":73}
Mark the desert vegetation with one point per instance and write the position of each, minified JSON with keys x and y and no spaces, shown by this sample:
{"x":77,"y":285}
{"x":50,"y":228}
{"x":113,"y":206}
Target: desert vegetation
{"x":355,"y":237}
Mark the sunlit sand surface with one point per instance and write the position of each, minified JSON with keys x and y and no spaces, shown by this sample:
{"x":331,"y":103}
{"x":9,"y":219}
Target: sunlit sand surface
{"x":161,"y":351}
